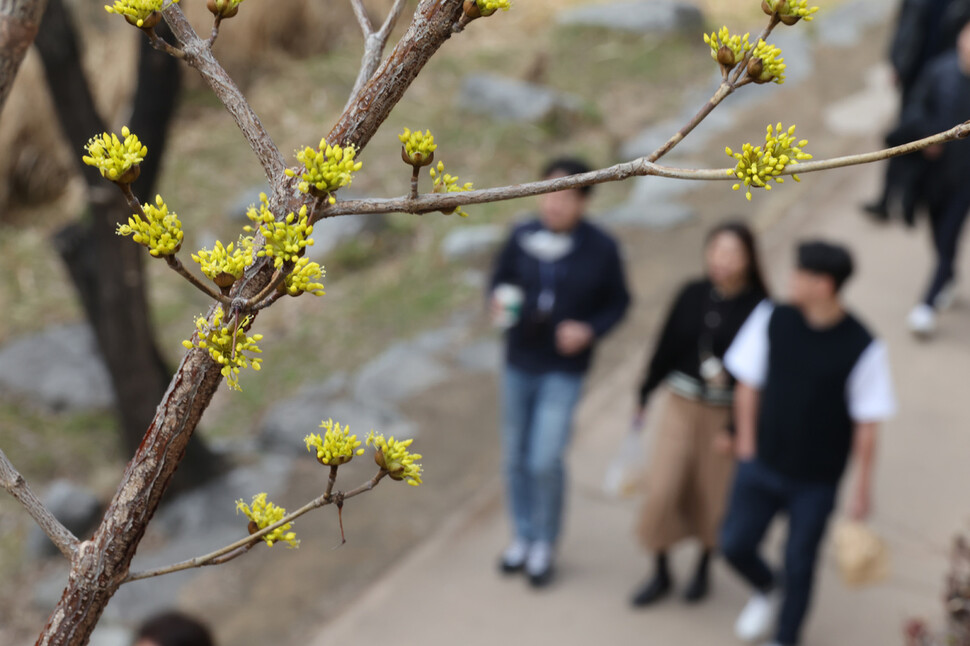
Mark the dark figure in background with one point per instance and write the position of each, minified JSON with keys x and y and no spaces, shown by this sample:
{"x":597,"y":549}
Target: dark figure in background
{"x":173,"y":629}
{"x":571,"y":293}
{"x":921,"y":36}
{"x":813,"y":386}
{"x":940,"y":101}
{"x":692,"y":462}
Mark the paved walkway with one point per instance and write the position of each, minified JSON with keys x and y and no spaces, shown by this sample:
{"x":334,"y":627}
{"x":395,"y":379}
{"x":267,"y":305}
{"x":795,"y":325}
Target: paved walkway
{"x":447,"y":591}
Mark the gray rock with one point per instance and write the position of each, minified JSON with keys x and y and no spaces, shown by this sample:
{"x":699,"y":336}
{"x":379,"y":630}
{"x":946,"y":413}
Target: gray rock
{"x":108,"y":635}
{"x":440,"y":340}
{"x":638,"y":16}
{"x":59,"y":369}
{"x":286,"y":424}
{"x":48,"y":588}
{"x":650,"y":215}
{"x":76,"y":507}
{"x":506,"y":99}
{"x":481,"y":356}
{"x":469,"y":241}
{"x":250,"y":197}
{"x":403,"y":370}
{"x":843,"y":25}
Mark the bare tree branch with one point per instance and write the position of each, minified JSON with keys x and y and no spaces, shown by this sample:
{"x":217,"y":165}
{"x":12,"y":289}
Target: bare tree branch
{"x":374,"y":43}
{"x":244,"y":544}
{"x":14,"y":483}
{"x":199,"y":55}
{"x":446,"y":202}
{"x":19,"y":22}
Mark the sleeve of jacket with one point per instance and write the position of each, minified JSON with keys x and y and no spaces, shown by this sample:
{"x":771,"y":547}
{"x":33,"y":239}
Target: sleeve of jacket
{"x":908,"y":40}
{"x":919,"y":118}
{"x":616,"y":297}
{"x":666,"y":350}
{"x":503,"y":270}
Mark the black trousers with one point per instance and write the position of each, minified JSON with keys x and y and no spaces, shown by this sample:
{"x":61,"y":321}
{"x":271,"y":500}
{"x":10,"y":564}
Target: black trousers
{"x":947,"y":217}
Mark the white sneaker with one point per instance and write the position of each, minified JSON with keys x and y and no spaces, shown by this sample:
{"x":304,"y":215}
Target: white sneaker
{"x":540,"y":559}
{"x":922,"y":320}
{"x":947,"y":297}
{"x":515,"y":555}
{"x":758,"y":618}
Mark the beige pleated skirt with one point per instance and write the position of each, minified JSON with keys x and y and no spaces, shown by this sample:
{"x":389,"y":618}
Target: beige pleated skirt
{"x":688,"y":476}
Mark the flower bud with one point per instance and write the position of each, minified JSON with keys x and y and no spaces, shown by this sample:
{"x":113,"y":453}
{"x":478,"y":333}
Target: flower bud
{"x":417,"y":158}
{"x":766,"y":7}
{"x":789,"y":20}
{"x":223,"y":8}
{"x":725,"y":56}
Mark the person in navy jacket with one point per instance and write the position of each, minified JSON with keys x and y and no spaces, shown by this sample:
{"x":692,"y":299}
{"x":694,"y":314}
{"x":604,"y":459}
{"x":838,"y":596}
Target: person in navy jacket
{"x":573,"y":291}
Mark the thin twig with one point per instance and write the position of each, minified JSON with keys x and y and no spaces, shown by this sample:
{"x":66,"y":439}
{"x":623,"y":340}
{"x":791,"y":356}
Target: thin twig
{"x":431,"y":202}
{"x":374,"y":43}
{"x":742,"y":68}
{"x":181,"y":270}
{"x":723,"y":91}
{"x":162,"y":45}
{"x":415,"y":176}
{"x":360,"y":12}
{"x":14,"y":483}
{"x":275,"y":296}
{"x":201,"y":561}
{"x":278,"y":279}
{"x":331,"y":481}
{"x":215,"y":31}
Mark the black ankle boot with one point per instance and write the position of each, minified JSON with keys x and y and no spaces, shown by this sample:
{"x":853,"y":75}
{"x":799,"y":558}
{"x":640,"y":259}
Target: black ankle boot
{"x":699,"y":585}
{"x":657,"y":587}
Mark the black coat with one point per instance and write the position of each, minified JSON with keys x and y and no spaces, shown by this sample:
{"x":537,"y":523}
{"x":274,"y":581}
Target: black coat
{"x":923,"y":31}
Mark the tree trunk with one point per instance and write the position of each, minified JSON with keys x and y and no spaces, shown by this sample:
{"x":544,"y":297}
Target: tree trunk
{"x":107,"y":270}
{"x":19,"y":20}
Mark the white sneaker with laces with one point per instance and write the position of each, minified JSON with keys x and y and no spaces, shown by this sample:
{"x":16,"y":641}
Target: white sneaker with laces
{"x":922,"y":320}
{"x":758,"y":618}
{"x":515,"y":555}
{"x":540,"y":559}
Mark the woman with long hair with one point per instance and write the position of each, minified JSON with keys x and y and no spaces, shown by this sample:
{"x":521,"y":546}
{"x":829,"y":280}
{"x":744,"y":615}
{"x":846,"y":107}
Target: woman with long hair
{"x":692,"y":462}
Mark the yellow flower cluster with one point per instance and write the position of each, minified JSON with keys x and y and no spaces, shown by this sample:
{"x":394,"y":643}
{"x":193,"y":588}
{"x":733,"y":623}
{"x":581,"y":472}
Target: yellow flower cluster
{"x":262,"y":514}
{"x":488,"y":7}
{"x":224,"y":8}
{"x":419,"y":147}
{"x":726,"y":49}
{"x":286,"y":240}
{"x":141,"y":13}
{"x":225,"y":265}
{"x":445,"y":183}
{"x":326,"y":169}
{"x":758,"y":166}
{"x":117,"y":159}
{"x":394,"y":457}
{"x":226,"y":347}
{"x":789,"y":11}
{"x":766,"y":64}
{"x":161,"y":233}
{"x":304,"y":277}
{"x":336,"y":447}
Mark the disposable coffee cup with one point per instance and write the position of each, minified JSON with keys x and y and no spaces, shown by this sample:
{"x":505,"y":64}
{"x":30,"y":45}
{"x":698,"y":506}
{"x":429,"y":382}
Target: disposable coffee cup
{"x":509,"y":299}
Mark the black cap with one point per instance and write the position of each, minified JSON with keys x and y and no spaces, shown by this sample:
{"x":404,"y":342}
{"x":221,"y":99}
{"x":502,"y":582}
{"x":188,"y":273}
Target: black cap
{"x":826,"y":259}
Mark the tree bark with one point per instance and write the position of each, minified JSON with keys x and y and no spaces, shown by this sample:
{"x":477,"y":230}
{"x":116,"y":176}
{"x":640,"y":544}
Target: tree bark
{"x":19,"y":20}
{"x":104,"y":561}
{"x":107,"y":270}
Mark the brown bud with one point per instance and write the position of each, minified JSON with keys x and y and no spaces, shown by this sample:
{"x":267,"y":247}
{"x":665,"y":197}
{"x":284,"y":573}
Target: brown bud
{"x":725,"y":56}
{"x":253,"y":527}
{"x":417,"y":159}
{"x":756,"y":68}
{"x":471,"y":10}
{"x":224,"y":280}
{"x":767,"y":9}
{"x":379,"y":459}
{"x":147,"y":23}
{"x":220,"y":8}
{"x":129,"y":175}
{"x":789,"y":19}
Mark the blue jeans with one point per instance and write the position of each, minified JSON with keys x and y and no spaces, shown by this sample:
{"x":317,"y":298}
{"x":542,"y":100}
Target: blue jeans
{"x":536,"y":429}
{"x":759,"y":494}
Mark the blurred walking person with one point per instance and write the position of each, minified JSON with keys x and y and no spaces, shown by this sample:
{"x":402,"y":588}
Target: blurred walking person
{"x":940,"y":101}
{"x":559,"y":287}
{"x":692,"y":461}
{"x":920,"y":36}
{"x":173,"y":628}
{"x":813,"y":386}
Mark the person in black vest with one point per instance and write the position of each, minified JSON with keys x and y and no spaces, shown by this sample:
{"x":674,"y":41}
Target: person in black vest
{"x":813,"y":386}
{"x":940,"y":101}
{"x":569,"y":291}
{"x":691,"y":464}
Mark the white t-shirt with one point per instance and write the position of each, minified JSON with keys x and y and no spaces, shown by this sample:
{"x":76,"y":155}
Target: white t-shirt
{"x":869,"y":390}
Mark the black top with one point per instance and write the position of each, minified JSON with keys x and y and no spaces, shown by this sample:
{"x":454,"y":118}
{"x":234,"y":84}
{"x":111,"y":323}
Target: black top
{"x":919,"y":37}
{"x":589,"y":286}
{"x":805,"y":428}
{"x":700,"y":322}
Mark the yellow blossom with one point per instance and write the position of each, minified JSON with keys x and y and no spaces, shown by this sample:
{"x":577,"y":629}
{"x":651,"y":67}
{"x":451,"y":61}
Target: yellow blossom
{"x":419,"y":147}
{"x":488,"y":7}
{"x":117,"y":159}
{"x":445,"y":183}
{"x":789,"y":11}
{"x":286,"y":241}
{"x":758,"y":166}
{"x":161,"y":233}
{"x":141,"y":13}
{"x":336,"y":447}
{"x":226,"y":347}
{"x":224,"y":8}
{"x":326,"y":169}
{"x":262,"y":514}
{"x":394,"y":457}
{"x":726,"y":49}
{"x":304,"y":277}
{"x":225,"y":265}
{"x":766,"y":64}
